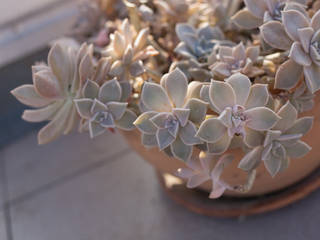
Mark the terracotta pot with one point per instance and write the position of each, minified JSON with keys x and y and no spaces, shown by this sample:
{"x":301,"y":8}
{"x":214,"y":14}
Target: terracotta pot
{"x":298,"y":169}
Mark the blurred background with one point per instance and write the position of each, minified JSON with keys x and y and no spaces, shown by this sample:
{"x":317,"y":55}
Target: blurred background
{"x":79,"y":189}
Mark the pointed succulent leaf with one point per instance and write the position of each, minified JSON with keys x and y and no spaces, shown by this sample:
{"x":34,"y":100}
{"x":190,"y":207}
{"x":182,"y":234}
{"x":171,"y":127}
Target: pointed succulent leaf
{"x":226,"y":117}
{"x":182,"y":114}
{"x":246,"y":20}
{"x":241,"y":85}
{"x":198,"y":110}
{"x":288,"y":115}
{"x":110,"y":91}
{"x":164,"y":138}
{"x":301,"y":126}
{"x":275,"y":35}
{"x":84,"y":107}
{"x":155,"y":98}
{"x":273,"y":165}
{"x":211,"y":130}
{"x":126,"y":121}
{"x":315,"y":21}
{"x":28,"y":96}
{"x":86,"y":68}
{"x":292,"y":21}
{"x":136,"y":68}
{"x":141,"y":40}
{"x":298,"y":150}
{"x":257,"y":8}
{"x":251,"y":160}
{"x":221,"y":95}
{"x":305,"y":35}
{"x":117,"y":109}
{"x":298,"y":54}
{"x":187,"y":134}
{"x":119,"y":43}
{"x":149,"y":140}
{"x":258,"y":96}
{"x":288,"y":75}
{"x":261,"y":118}
{"x":98,"y":106}
{"x":181,"y":150}
{"x":176,"y":85}
{"x":253,"y":138}
{"x":56,"y":126}
{"x":312,"y":77}
{"x":60,"y":64}
{"x":127,"y":56}
{"x":47,"y":85}
{"x":90,"y":90}
{"x":160,"y":119}
{"x":42,"y":114}
{"x":95,"y":129}
{"x":220,"y":146}
{"x":126,"y":90}
{"x":144,"y":124}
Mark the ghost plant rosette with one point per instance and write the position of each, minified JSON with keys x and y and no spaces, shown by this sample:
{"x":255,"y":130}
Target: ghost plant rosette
{"x":189,"y":79}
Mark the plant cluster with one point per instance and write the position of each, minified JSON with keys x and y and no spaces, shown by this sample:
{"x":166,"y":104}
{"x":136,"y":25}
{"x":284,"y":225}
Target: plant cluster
{"x":208,"y":74}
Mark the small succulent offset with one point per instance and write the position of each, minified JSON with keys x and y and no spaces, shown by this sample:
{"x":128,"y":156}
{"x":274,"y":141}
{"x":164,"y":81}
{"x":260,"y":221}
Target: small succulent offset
{"x":258,"y":12}
{"x":190,"y":79}
{"x":170,"y":120}
{"x":241,"y":109}
{"x":128,"y":49}
{"x":102,"y":108}
{"x":237,"y":59}
{"x":54,"y":88}
{"x":280,"y":143}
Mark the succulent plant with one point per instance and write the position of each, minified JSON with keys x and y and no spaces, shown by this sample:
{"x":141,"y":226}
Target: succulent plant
{"x":258,"y":12}
{"x":280,"y":143}
{"x":102,"y":108}
{"x":199,"y":43}
{"x":171,"y":116}
{"x":241,"y":109}
{"x":217,"y":84}
{"x":207,"y":167}
{"x":128,"y":49}
{"x":54,"y":88}
{"x":237,"y":59}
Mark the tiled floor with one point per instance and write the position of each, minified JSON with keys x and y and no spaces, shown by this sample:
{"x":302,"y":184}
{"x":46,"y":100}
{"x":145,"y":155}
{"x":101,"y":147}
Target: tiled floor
{"x":59,"y":192}
{"x":3,"y":235}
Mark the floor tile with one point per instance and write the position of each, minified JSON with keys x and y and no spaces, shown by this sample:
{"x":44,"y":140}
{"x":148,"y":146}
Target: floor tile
{"x":30,"y":166}
{"x":3,"y":234}
{"x":123,"y":200}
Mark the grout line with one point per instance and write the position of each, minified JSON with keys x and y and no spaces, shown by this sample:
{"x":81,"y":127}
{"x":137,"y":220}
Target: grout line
{"x":67,"y":178}
{"x":6,"y":207}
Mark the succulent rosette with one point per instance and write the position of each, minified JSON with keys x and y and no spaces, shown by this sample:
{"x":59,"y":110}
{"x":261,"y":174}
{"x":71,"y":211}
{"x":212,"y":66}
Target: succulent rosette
{"x":302,"y":37}
{"x":230,"y":60}
{"x":198,"y":47}
{"x":54,"y":88}
{"x":258,"y":12}
{"x":128,"y":49}
{"x":279,"y":144}
{"x":171,"y":118}
{"x":103,"y":109}
{"x":241,"y":109}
